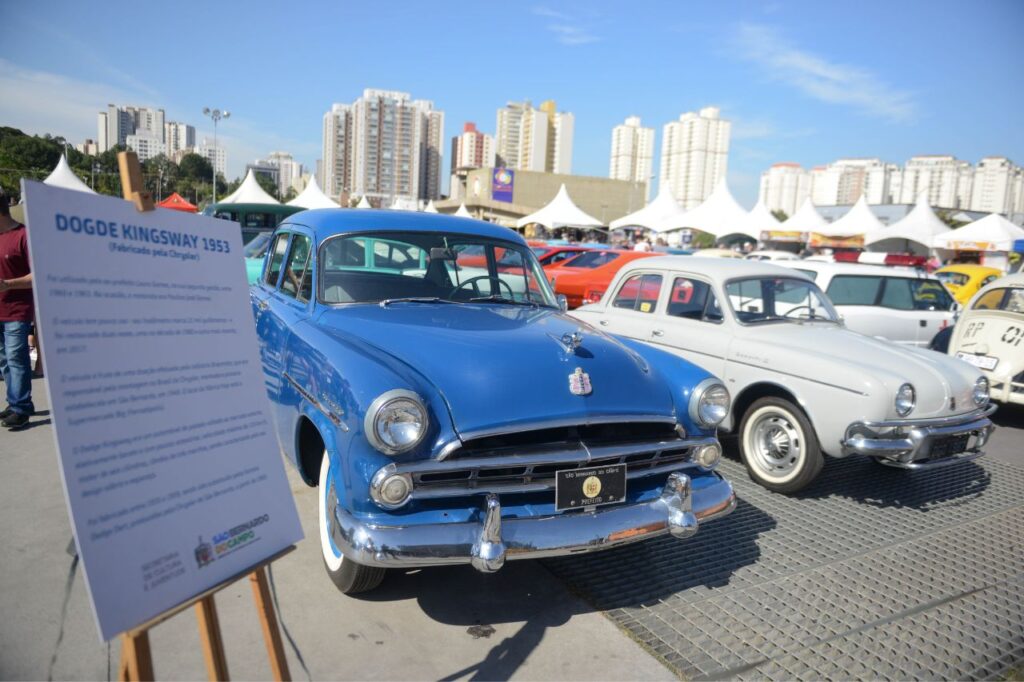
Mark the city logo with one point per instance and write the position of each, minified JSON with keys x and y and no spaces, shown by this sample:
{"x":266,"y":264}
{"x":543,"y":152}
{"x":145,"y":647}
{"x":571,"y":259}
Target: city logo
{"x":204,"y":553}
{"x":502,"y":176}
{"x":579,"y":382}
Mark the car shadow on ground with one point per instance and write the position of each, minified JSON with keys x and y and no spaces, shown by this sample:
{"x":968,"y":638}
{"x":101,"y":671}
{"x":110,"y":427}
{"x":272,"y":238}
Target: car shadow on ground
{"x":1009,"y":415}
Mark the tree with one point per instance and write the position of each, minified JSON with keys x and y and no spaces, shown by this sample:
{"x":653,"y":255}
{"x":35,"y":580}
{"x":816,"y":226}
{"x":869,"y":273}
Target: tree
{"x":268,"y":185}
{"x":780,"y":215}
{"x":703,"y":240}
{"x":195,"y":167}
{"x":946,"y":216}
{"x":289,"y":195}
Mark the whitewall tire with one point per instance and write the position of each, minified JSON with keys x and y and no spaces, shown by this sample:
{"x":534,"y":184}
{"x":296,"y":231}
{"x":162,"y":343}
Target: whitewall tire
{"x":778,"y":445}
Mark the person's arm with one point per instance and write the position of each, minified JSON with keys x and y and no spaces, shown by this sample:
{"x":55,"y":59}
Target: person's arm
{"x":23,"y":282}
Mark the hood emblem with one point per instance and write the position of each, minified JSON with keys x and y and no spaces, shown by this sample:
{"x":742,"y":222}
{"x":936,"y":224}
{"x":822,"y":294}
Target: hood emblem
{"x":579,"y":382}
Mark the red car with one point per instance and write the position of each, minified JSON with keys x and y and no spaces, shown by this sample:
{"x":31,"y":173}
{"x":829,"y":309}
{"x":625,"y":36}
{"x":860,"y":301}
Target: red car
{"x":556,"y":255}
{"x":585,"y":278}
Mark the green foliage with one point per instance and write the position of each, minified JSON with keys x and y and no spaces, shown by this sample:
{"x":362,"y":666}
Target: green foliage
{"x":702,"y":240}
{"x":946,"y":216}
{"x":268,"y":185}
{"x":780,"y":215}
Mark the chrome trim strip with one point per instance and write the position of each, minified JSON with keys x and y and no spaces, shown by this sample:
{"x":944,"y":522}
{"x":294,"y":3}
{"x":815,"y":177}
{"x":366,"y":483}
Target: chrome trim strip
{"x":568,"y":421}
{"x":910,"y":440}
{"x":952,"y":420}
{"x":335,"y":419}
{"x":797,"y":376}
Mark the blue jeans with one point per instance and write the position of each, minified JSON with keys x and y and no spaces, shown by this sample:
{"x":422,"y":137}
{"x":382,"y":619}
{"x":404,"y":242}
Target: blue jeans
{"x":16,"y":365}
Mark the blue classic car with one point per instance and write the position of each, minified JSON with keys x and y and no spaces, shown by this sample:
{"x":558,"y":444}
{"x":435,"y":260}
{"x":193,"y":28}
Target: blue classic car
{"x":451,"y":413}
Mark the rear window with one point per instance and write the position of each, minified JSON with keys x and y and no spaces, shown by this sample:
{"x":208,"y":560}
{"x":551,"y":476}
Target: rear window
{"x":639,"y":292}
{"x":591,"y":259}
{"x":1010,"y":299}
{"x":854,"y":290}
{"x":957,"y":279}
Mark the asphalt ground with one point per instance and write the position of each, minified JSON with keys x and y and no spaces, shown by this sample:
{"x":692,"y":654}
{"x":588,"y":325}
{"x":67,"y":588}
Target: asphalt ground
{"x":869,"y":574}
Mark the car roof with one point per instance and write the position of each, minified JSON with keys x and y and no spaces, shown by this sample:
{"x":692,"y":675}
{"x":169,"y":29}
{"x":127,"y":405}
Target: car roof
{"x":856,"y":269}
{"x":967,"y":268}
{"x":717,"y":268}
{"x":1015,"y":280}
{"x":330,"y":221}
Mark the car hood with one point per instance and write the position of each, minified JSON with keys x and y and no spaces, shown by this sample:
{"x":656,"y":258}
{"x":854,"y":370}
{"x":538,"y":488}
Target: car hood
{"x":504,"y":367}
{"x":838,"y":356}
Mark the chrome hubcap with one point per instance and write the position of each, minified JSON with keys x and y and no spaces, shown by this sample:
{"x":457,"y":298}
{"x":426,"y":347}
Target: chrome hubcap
{"x":776,"y":444}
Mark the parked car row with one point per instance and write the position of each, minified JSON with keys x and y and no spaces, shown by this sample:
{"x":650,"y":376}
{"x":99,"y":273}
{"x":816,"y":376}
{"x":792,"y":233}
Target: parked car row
{"x":425,"y":376}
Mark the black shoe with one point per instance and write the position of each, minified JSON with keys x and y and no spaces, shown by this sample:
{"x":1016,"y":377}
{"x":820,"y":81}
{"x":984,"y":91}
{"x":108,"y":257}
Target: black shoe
{"x":15,"y":420}
{"x":6,"y":413}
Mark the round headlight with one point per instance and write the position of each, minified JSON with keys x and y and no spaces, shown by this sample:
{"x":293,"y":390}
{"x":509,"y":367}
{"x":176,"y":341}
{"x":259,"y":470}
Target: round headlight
{"x":707,"y":456}
{"x":981,"y":396}
{"x":389,"y":489}
{"x":905,"y":399}
{"x":709,"y":403}
{"x":396,"y":422}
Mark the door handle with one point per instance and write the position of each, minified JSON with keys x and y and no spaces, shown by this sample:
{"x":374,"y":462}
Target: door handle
{"x":603,"y":323}
{"x":924,"y":323}
{"x":657,"y":332}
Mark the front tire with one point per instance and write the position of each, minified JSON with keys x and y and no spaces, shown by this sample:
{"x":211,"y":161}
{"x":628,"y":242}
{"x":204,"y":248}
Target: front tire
{"x":347,"y":575}
{"x":778,"y":446}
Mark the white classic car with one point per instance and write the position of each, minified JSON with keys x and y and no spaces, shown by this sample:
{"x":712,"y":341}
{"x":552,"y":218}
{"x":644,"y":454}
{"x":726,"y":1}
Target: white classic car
{"x":803,"y":385}
{"x":899,"y":304}
{"x":990,"y":336}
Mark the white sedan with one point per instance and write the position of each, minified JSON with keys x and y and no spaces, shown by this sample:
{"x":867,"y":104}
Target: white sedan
{"x":804,"y":386}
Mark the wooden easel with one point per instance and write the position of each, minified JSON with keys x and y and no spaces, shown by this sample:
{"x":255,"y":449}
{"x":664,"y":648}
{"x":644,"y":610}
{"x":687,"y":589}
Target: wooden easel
{"x":136,"y":658}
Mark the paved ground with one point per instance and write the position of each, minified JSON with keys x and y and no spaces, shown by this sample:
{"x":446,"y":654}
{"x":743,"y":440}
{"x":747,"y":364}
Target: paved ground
{"x":872,"y":573}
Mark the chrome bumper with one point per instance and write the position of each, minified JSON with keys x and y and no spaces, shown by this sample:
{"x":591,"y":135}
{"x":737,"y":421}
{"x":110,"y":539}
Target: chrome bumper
{"x":679,"y":510}
{"x":907,"y":443}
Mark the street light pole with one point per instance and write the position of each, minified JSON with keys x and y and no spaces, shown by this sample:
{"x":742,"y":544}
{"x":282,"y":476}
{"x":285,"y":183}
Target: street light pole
{"x":216,"y":115}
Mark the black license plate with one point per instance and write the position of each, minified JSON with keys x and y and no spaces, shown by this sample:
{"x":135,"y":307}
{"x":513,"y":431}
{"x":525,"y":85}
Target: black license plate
{"x":947,"y":446}
{"x":575,"y":488}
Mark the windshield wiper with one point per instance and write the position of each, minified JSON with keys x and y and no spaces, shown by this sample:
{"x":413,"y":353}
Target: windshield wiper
{"x":412,"y":299}
{"x":494,"y":298}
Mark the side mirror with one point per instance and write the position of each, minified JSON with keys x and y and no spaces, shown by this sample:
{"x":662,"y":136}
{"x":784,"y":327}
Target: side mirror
{"x":563,"y":302}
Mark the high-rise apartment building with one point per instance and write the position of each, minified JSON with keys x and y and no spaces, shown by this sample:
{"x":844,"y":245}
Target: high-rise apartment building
{"x":694,"y":155}
{"x":472,"y":149}
{"x":218,"y":156}
{"x":537,"y":139}
{"x":178,"y":136}
{"x":116,"y":123}
{"x":383,"y":146}
{"x":997,"y":186}
{"x":946,"y":179}
{"x":784,"y":187}
{"x":844,"y":181}
{"x":282,"y":169}
{"x":146,"y":146}
{"x":632,"y":153}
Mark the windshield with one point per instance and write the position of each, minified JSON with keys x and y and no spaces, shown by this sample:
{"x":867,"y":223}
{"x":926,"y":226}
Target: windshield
{"x":1010,"y":299}
{"x":429,"y":267}
{"x":257,"y":248}
{"x":957,"y":279}
{"x":770,"y":299}
{"x":590,"y":259}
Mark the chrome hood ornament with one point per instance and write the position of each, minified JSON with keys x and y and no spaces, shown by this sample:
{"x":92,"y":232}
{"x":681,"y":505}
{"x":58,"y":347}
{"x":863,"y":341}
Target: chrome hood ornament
{"x":579,"y":382}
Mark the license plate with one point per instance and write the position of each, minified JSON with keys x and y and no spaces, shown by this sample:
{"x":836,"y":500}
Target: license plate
{"x":983,"y":361}
{"x":575,"y":488}
{"x":947,"y":446}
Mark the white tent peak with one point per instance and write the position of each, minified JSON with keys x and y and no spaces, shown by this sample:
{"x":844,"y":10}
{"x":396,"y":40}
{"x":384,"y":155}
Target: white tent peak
{"x":463,"y":212}
{"x":249,"y":192}
{"x":859,"y":220}
{"x":63,"y":176}
{"x":662,"y":214}
{"x":806,"y":219}
{"x":720,"y":214}
{"x":921,"y":226}
{"x":560,"y":212}
{"x":313,"y":197}
{"x":430,"y":208}
{"x":363,"y":202}
{"x":991,"y":233}
{"x":759,"y":220}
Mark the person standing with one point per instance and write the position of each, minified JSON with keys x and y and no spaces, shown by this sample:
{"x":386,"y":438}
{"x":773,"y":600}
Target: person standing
{"x":16,"y":316}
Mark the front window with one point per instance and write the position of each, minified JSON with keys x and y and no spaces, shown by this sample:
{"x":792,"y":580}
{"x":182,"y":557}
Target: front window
{"x":257,"y":248}
{"x":771,"y":299}
{"x":693,"y":299}
{"x":590,"y":260}
{"x":1010,"y":299}
{"x":639,"y":292}
{"x":430,"y":267}
{"x":274,"y":267}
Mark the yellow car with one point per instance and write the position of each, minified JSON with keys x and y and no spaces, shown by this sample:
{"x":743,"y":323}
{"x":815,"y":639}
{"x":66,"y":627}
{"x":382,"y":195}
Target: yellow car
{"x":964,"y":280}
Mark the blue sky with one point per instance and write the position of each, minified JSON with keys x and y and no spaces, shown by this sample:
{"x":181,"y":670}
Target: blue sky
{"x":801,"y":81}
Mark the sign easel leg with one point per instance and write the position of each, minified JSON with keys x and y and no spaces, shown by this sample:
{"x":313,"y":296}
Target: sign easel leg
{"x":136,"y":659}
{"x":268,"y":621}
{"x":211,"y":640}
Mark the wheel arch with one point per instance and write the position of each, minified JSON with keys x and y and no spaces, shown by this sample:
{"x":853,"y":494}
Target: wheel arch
{"x":309,"y":450}
{"x":764,"y":389}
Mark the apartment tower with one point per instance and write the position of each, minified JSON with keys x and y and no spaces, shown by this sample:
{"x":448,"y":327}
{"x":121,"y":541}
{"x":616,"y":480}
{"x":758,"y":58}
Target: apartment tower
{"x":694,"y":155}
{"x":632,"y":153}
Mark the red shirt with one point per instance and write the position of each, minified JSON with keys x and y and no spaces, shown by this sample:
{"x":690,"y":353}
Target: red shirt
{"x":15,"y":304}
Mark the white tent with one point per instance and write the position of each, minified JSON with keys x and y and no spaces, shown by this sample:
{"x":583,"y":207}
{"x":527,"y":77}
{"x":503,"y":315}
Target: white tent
{"x":991,"y":233}
{"x":249,"y":192}
{"x":559,"y":212}
{"x":719,"y":214}
{"x":661,"y":215}
{"x":363,"y":203}
{"x":919,"y":227}
{"x":463,"y":212}
{"x":313,"y":197}
{"x":806,"y":219}
{"x":63,"y":176}
{"x":759,"y":220}
{"x":856,"y":222}
{"x":430,"y":207}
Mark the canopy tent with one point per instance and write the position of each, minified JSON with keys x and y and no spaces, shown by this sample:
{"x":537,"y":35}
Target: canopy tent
{"x":560,"y":212}
{"x":913,"y":233}
{"x":249,"y":192}
{"x":404,"y":204}
{"x":313,"y":197}
{"x":661,"y":215}
{"x":757,"y":222}
{"x":856,"y":222}
{"x":176,"y":202}
{"x":991,"y":233}
{"x":364,"y":203}
{"x":463,"y":212}
{"x":806,"y":219}
{"x":430,"y":207}
{"x":719,"y":214}
{"x":63,"y":176}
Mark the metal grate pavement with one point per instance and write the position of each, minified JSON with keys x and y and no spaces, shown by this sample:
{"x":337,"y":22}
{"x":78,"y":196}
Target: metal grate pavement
{"x":871,"y":573}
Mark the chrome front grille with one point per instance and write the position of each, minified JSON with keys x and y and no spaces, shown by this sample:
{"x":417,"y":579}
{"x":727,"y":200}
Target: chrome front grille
{"x":532,"y":469}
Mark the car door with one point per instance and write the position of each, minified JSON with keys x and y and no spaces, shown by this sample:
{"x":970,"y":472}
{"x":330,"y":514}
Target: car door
{"x":933,"y":307}
{"x":632,"y":305}
{"x":690,"y":324}
{"x":859,"y":299}
{"x":268,"y":327}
